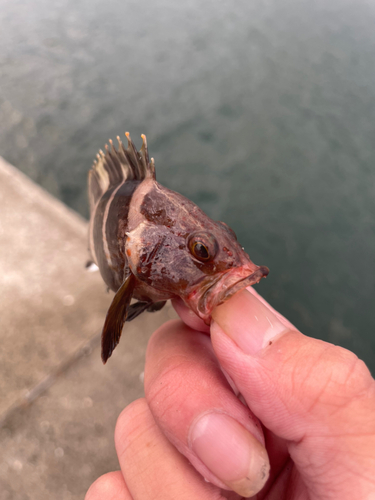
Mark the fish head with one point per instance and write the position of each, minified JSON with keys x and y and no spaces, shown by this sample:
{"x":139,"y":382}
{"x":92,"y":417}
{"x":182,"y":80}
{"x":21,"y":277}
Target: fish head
{"x":198,"y":261}
{"x":225,"y":266}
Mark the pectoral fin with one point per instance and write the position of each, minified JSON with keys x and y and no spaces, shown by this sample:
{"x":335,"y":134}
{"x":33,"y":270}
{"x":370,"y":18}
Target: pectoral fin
{"x":139,"y":307}
{"x":136,"y":309}
{"x":156,"y":306}
{"x":116,"y":317}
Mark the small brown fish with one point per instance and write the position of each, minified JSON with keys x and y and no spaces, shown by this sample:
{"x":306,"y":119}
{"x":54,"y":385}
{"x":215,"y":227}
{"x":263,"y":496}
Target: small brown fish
{"x":153,"y":244}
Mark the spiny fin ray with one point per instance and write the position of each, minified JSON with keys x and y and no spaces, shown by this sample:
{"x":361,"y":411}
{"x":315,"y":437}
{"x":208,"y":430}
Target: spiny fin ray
{"x":115,"y":166}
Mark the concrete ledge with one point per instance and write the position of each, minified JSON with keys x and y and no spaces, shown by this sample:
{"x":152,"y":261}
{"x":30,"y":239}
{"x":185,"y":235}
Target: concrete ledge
{"x":58,"y":403}
{"x":49,"y":304}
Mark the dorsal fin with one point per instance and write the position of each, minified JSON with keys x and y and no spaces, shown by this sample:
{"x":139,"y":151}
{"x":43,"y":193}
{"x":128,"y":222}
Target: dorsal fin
{"x":117,"y":165}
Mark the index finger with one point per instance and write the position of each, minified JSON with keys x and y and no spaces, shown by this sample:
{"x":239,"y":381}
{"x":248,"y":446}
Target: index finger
{"x":189,"y":317}
{"x":197,"y":410}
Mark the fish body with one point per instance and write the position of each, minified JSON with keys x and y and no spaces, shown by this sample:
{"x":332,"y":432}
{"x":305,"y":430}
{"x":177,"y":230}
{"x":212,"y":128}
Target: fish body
{"x":153,"y":244}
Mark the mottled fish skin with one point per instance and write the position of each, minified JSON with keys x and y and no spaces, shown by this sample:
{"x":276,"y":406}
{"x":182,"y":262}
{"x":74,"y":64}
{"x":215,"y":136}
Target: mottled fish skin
{"x":112,"y":181}
{"x":153,"y":244}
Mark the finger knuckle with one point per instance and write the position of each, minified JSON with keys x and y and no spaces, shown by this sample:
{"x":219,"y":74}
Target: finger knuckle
{"x":161,"y":393}
{"x":131,"y":420}
{"x":333,"y":377}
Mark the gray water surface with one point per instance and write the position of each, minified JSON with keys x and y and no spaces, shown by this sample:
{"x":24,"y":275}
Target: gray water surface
{"x":262,"y":112}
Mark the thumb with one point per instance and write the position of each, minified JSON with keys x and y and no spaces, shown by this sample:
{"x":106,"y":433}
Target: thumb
{"x":319,"y":397}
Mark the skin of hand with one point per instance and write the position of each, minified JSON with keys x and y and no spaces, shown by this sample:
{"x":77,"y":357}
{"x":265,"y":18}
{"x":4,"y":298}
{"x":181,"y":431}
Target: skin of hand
{"x":256,"y":410}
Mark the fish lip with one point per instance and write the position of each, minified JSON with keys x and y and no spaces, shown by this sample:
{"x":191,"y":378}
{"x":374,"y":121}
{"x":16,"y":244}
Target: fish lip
{"x":209,"y":299}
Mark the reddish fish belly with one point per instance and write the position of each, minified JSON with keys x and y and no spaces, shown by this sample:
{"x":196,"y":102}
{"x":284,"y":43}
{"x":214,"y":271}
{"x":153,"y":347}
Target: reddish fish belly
{"x":206,"y":296}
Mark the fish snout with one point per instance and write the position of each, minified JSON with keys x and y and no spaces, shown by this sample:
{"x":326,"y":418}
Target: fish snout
{"x":205,"y":300}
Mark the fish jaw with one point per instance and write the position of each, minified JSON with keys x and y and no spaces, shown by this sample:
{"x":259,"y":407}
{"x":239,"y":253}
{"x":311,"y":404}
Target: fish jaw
{"x":212,"y":292}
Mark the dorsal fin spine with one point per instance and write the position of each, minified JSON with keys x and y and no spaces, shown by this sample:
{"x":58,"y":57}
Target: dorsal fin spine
{"x":115,"y":166}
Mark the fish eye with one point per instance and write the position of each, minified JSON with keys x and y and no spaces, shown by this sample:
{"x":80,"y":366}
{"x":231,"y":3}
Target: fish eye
{"x":203,"y":246}
{"x":200,"y":251}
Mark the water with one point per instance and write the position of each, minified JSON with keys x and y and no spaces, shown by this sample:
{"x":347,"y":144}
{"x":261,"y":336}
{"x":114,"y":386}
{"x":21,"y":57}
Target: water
{"x":261,"y":112}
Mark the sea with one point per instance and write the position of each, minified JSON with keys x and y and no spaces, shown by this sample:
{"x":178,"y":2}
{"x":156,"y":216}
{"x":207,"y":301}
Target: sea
{"x":262,"y":112}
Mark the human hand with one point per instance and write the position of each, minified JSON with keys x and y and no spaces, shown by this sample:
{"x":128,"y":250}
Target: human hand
{"x":315,"y":402}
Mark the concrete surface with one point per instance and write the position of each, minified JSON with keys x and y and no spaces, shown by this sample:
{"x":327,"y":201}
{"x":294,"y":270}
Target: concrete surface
{"x":58,"y":403}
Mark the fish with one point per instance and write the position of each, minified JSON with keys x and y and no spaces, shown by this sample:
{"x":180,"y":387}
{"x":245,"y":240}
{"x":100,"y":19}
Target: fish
{"x":152,"y":244}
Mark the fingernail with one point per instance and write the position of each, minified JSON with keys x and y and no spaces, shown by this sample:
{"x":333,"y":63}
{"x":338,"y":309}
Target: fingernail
{"x":248,"y":322}
{"x":234,"y":455}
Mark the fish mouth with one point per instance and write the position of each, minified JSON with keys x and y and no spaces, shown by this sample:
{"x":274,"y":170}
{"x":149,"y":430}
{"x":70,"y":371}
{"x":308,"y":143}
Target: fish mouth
{"x":225,"y":287}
